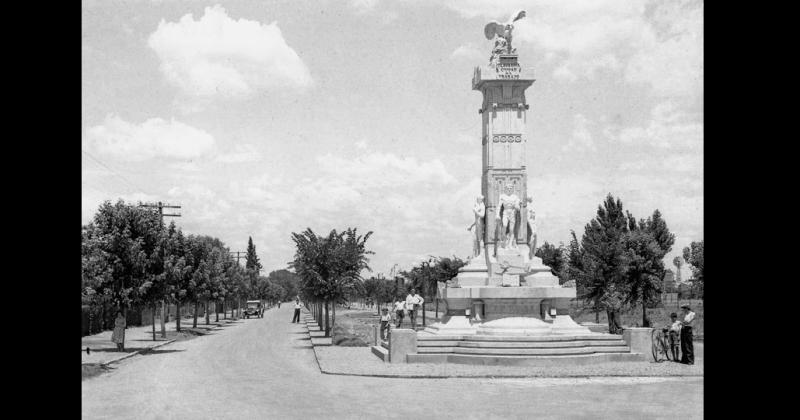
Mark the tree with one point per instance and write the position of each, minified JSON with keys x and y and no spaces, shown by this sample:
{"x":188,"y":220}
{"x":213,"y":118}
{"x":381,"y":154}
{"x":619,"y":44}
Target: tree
{"x":552,"y":257}
{"x":329,"y":266}
{"x":121,"y":256}
{"x":178,"y":269}
{"x":603,"y":259}
{"x":693,"y":255}
{"x":646,"y":245}
{"x":251,"y":260}
{"x":289,"y":282}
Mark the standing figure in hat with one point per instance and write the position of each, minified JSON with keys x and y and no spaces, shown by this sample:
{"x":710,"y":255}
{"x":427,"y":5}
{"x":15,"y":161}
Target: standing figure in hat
{"x":687,"y":346}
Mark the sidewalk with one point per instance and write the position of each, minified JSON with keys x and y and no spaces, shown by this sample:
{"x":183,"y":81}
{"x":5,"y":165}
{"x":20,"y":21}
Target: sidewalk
{"x":140,"y":339}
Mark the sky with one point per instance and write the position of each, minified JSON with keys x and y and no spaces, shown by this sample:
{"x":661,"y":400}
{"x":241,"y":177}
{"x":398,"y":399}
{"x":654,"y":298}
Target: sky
{"x":263,"y":118}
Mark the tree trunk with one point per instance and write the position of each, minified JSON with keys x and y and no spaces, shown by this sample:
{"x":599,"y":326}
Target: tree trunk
{"x":437,"y":303}
{"x":327,"y":320}
{"x":205,"y":306}
{"x":645,"y":321}
{"x":194,"y":324}
{"x":596,"y":315}
{"x":423,"y":314}
{"x":163,"y":319}
{"x":333,"y":318}
{"x":216,"y":311}
{"x":224,"y":314}
{"x":178,"y":316}
{"x":153,"y":317}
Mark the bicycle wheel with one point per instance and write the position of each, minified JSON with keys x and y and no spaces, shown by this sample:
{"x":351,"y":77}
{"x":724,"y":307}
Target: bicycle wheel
{"x":657,"y":346}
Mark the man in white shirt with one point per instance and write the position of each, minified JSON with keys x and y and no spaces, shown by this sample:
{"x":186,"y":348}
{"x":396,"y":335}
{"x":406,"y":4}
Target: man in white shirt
{"x":687,"y":346}
{"x":399,"y":311}
{"x":413,"y":302}
{"x":297,"y":306}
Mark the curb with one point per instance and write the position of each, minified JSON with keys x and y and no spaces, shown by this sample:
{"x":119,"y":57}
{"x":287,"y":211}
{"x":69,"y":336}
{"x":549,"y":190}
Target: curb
{"x":135,"y":353}
{"x":412,"y":376}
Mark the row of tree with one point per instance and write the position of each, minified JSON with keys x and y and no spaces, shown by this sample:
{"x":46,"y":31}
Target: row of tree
{"x":130,"y":259}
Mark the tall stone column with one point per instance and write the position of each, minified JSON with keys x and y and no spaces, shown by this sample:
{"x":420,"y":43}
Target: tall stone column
{"x":504,"y":115}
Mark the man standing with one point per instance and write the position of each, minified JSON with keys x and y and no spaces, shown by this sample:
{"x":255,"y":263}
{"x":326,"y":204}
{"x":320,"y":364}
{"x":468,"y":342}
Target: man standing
{"x":296,"y":317}
{"x":687,"y":346}
{"x":413,"y":301}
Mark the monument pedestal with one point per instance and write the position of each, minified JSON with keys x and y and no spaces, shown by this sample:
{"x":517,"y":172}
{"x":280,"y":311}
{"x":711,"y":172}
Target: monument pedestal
{"x":454,"y":325}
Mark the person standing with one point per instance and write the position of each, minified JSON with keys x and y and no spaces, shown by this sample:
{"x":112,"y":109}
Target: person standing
{"x":399,"y":310}
{"x":118,"y":336}
{"x":296,"y":317}
{"x":386,"y":319}
{"x":413,"y":302}
{"x":687,"y":345}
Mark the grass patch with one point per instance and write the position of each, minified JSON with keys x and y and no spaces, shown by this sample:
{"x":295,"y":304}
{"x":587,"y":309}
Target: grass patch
{"x":351,"y":331}
{"x":658,"y":316}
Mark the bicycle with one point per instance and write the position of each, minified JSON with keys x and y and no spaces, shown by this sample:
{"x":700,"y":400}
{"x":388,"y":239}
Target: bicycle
{"x":664,"y":346}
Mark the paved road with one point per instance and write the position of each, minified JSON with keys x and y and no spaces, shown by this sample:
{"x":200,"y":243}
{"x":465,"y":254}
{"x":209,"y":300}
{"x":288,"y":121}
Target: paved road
{"x":265,"y":368}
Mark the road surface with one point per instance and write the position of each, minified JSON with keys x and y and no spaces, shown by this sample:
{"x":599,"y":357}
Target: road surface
{"x":265,"y":368}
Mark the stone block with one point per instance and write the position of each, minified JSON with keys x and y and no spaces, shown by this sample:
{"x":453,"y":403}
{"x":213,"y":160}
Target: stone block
{"x":638,"y":339}
{"x":402,"y":343}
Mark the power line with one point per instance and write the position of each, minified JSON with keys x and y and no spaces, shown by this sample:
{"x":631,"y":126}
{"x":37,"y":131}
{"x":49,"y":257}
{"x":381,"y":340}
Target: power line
{"x":131,"y":184}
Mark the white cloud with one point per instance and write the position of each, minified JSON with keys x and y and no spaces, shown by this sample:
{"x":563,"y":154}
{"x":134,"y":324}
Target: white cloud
{"x":394,"y":170}
{"x":154,"y":138}
{"x":219,"y":56}
{"x":657,"y":44}
{"x":581,"y":140}
{"x":241,"y":153}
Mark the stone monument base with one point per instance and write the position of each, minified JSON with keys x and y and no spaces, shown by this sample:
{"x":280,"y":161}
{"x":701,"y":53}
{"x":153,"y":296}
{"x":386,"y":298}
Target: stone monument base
{"x":515,"y":326}
{"x":453,"y":325}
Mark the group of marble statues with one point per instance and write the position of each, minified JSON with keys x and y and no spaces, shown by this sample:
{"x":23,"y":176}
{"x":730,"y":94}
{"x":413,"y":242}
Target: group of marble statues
{"x":508,"y":207}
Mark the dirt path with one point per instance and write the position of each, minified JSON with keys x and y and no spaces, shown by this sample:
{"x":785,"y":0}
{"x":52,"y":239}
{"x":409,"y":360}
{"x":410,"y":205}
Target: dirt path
{"x":266,"y":368}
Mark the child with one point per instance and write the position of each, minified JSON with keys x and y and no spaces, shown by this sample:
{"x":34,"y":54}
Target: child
{"x":674,"y":334}
{"x":399,"y":309}
{"x":386,"y":319}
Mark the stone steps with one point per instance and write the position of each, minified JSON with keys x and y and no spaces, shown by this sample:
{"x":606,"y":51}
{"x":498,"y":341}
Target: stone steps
{"x":529,"y":360}
{"x":545,"y":344}
{"x":525,"y":351}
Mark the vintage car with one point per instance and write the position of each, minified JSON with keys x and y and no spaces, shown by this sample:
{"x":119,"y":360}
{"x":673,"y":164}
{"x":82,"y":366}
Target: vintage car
{"x":253,"y":308}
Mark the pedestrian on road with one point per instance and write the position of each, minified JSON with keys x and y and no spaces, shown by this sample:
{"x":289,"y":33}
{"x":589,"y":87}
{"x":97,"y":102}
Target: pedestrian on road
{"x":399,"y":310}
{"x":386,"y":319}
{"x":118,"y":336}
{"x":687,"y":346}
{"x":296,"y":317}
{"x":413,"y":302}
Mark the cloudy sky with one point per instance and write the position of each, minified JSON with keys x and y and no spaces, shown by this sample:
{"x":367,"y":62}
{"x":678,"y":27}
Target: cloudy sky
{"x":262,"y":118}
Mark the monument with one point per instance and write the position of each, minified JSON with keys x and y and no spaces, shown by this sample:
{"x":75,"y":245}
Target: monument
{"x":505,"y":289}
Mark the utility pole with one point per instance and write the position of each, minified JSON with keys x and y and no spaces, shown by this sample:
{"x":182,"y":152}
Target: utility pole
{"x":161,"y":206}
{"x":238,"y":256}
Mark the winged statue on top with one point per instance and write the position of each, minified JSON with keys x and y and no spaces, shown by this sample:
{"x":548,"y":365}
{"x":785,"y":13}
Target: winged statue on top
{"x":503,"y":33}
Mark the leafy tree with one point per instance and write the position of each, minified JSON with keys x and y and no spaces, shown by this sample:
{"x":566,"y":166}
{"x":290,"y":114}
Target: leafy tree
{"x":693,"y":255}
{"x":646,"y":245}
{"x":288,"y":281}
{"x":329,"y":266}
{"x":121,"y":256}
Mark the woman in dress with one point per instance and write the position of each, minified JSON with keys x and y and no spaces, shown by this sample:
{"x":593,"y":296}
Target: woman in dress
{"x":119,"y":331}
